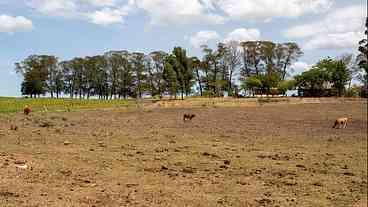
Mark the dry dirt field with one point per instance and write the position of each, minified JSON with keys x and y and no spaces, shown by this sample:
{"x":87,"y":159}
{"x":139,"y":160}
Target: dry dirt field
{"x":270,"y":155}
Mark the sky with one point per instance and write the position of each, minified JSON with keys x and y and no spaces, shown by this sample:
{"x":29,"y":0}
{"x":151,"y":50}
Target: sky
{"x":78,"y":28}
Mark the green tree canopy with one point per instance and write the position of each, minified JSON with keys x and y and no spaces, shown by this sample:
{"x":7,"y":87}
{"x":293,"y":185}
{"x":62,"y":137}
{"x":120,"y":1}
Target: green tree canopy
{"x":326,"y":74}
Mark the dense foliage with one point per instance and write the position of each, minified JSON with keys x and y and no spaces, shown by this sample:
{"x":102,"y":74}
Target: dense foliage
{"x":328,"y":77}
{"x":122,"y":74}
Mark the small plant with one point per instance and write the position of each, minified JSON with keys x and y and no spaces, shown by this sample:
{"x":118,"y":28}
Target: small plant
{"x":46,"y":124}
{"x":265,"y":100}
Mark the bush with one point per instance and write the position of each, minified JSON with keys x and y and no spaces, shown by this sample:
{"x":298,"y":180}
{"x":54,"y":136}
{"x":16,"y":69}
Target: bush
{"x":353,"y":92}
{"x":275,"y":91}
{"x":363,"y":92}
{"x":286,"y":85}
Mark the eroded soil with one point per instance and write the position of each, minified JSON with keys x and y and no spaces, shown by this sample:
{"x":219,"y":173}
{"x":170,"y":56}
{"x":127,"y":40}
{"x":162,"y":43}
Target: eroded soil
{"x":279,"y":155}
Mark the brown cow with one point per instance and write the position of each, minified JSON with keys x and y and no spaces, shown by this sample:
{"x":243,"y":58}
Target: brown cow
{"x":27,"y":110}
{"x":188,"y":117}
{"x":340,"y":123}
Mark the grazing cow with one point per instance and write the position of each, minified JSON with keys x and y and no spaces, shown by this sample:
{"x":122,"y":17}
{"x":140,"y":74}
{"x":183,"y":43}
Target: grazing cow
{"x":340,"y":123}
{"x":188,"y":117}
{"x":27,"y":110}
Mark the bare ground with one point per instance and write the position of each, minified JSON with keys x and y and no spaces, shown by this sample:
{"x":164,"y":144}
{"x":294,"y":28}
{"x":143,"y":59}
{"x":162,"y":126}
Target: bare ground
{"x":271,"y":155}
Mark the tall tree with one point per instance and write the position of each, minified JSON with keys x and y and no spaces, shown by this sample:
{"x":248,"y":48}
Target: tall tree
{"x":339,"y":76}
{"x":261,"y":56}
{"x":78,"y":66}
{"x":58,"y":81}
{"x":291,"y":52}
{"x":196,"y":63}
{"x":268,"y":56}
{"x":362,"y":58}
{"x":251,"y":57}
{"x":96,"y":77}
{"x":35,"y":71}
{"x":114,"y":64}
{"x":156,"y":72}
{"x":170,"y":77}
{"x":215,"y":69}
{"x":183,"y":69}
{"x":139,"y":75}
{"x":125,"y":77}
{"x":53,"y":79}
{"x":233,"y":59}
{"x":206,"y":65}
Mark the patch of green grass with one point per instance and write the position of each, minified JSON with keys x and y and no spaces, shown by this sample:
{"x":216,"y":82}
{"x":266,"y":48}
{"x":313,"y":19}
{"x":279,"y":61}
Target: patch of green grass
{"x":12,"y":105}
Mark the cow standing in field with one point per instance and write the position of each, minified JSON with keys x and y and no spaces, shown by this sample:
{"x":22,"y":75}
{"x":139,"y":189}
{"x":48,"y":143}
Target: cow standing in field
{"x":340,"y":123}
{"x":27,"y":110}
{"x":188,"y":117}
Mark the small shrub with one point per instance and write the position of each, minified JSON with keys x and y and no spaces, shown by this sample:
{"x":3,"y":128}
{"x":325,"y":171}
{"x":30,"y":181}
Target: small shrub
{"x":46,"y":123}
{"x":352,"y":92}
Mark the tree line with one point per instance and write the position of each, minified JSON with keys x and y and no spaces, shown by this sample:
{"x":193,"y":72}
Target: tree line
{"x":259,"y":67}
{"x":124,"y":74}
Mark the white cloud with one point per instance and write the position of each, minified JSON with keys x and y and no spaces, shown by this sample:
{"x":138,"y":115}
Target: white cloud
{"x":163,"y":12}
{"x":243,"y":34}
{"x":341,"y":20}
{"x":334,"y":41}
{"x":299,"y":67}
{"x":102,"y":12}
{"x":266,"y":9}
{"x":101,"y":3}
{"x":11,"y":24}
{"x":339,"y":29}
{"x":203,"y":37}
{"x":234,"y":37}
{"x":107,"y":16}
{"x":218,"y":11}
{"x":54,"y":7}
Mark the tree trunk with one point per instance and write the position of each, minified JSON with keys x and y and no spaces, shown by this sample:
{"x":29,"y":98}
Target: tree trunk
{"x":285,"y":66}
{"x":159,"y":89}
{"x":214,"y":80}
{"x":230,"y":83}
{"x":255,"y":65}
{"x":182,"y":93}
{"x":199,"y":82}
{"x":246,"y":69}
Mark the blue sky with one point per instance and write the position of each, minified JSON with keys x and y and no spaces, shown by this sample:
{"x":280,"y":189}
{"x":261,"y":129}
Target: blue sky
{"x":70,"y":28}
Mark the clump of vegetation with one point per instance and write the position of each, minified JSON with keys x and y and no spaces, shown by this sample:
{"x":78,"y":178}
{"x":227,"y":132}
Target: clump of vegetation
{"x":271,"y":100}
{"x":12,"y":105}
{"x":327,"y":74}
{"x":270,"y":84}
{"x":46,"y":124}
